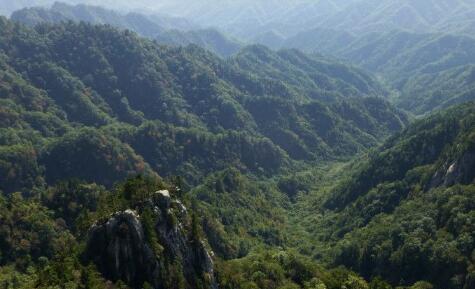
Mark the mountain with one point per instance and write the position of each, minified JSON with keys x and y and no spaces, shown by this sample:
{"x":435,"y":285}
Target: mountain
{"x":165,"y":29}
{"x":141,"y":235}
{"x":247,"y":19}
{"x":58,"y":12}
{"x":110,"y":240}
{"x":10,"y":6}
{"x":327,"y":41}
{"x":144,"y":108}
{"x":209,"y":39}
{"x":429,"y":71}
{"x":362,"y":16}
{"x":404,"y":211}
{"x":414,"y":61}
{"x":127,"y":164}
{"x":161,"y":235}
{"x":446,"y":88}
{"x":368,"y":16}
{"x":400,"y":54}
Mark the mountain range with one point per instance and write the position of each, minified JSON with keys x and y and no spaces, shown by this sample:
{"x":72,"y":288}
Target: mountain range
{"x":430,"y":71}
{"x":166,"y":30}
{"x":313,"y":111}
{"x":248,"y":19}
{"x":332,"y":146}
{"x":408,"y":61}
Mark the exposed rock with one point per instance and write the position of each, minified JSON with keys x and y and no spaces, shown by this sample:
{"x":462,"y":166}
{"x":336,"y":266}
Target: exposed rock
{"x":121,"y":250}
{"x":163,"y":197}
{"x":461,"y":171}
{"x":164,"y":193}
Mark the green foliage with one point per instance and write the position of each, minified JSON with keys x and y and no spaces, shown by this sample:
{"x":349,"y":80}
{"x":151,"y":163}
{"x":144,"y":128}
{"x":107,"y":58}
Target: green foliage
{"x":28,"y":232}
{"x":428,"y":71}
{"x":281,"y":269}
{"x":251,"y":212}
{"x":148,"y":224}
{"x":433,"y":91}
{"x":99,"y":105}
{"x":161,"y":28}
{"x":394,"y":213}
{"x":422,"y":144}
{"x":70,"y":201}
{"x":93,"y":103}
{"x":89,"y":155}
{"x":19,"y":168}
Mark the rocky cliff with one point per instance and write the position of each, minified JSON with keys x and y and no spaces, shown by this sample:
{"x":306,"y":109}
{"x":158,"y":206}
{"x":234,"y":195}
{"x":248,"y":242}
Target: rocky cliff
{"x":155,"y":244}
{"x":458,"y":171}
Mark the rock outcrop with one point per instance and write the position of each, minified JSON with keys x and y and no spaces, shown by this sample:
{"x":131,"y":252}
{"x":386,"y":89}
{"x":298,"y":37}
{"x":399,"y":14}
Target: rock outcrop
{"x":460,"y":171}
{"x":122,"y":249}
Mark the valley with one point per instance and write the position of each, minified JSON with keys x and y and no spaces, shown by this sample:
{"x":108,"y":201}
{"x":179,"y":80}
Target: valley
{"x":185,"y":148}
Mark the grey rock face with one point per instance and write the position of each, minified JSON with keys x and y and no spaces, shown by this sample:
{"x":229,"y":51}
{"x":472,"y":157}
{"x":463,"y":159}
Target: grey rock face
{"x":461,"y":171}
{"x":121,"y":251}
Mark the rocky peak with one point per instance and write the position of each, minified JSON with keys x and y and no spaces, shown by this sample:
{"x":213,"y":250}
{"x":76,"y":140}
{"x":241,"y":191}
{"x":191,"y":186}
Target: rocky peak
{"x":151,"y":244}
{"x":119,"y":250}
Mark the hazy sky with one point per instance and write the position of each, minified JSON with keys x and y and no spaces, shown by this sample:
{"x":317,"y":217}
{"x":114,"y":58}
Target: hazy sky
{"x":8,"y":6}
{"x":178,"y":7}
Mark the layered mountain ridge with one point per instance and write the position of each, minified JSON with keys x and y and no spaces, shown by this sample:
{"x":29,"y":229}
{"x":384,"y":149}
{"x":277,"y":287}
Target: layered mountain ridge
{"x":392,"y":214}
{"x":135,"y":104}
{"x":164,"y":29}
{"x":130,"y":162}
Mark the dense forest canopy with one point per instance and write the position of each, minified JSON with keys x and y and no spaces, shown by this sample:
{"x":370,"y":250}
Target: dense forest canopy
{"x":266,"y":144}
{"x":144,"y":107}
{"x":421,"y":49}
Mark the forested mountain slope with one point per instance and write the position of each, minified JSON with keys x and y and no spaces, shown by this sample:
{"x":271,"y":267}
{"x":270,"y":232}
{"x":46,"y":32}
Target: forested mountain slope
{"x":449,"y":16}
{"x":248,"y":19}
{"x":251,"y":18}
{"x":165,"y":29}
{"x":135,"y":107}
{"x":170,"y":167}
{"x":430,"y":71}
{"x":61,"y":12}
{"x":84,"y":106}
{"x":405,"y":211}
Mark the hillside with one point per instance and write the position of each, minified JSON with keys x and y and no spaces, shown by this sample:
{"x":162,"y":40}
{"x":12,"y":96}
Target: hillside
{"x":410,"y":61}
{"x":165,"y":29}
{"x":429,"y":71}
{"x":248,"y":19}
{"x":145,"y":108}
{"x":404,"y":211}
{"x":362,"y":17}
{"x":440,"y":65}
{"x":112,"y":144}
{"x":145,"y":151}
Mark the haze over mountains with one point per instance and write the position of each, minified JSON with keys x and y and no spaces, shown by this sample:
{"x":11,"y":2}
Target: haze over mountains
{"x":326,"y":144}
{"x":290,"y":17}
{"x":246,"y":18}
{"x":409,"y":55}
{"x":166,"y":30}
